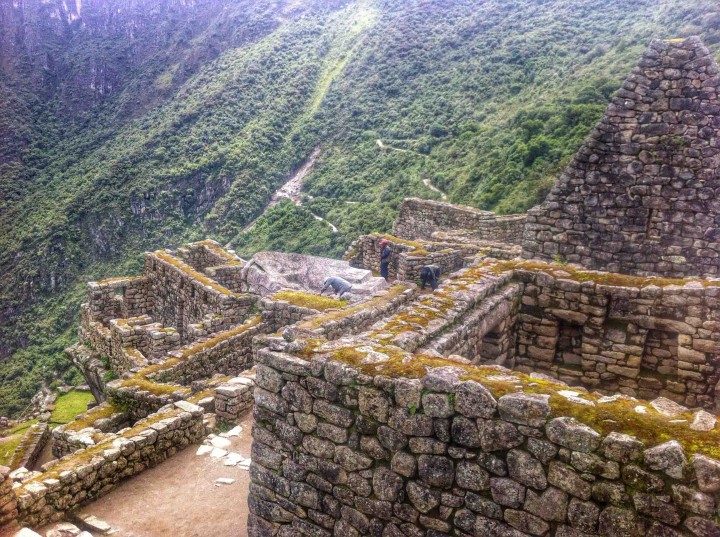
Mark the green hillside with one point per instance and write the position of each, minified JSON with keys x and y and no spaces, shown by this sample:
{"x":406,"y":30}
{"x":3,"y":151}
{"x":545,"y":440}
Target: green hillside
{"x":183,"y":128}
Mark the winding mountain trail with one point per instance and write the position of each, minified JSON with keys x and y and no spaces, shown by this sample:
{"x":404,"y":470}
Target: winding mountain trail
{"x":432,"y":187}
{"x":426,"y":182}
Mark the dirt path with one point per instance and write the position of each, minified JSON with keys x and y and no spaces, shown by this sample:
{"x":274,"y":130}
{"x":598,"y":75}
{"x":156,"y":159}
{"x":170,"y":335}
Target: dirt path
{"x":179,"y":498}
{"x":432,"y":187}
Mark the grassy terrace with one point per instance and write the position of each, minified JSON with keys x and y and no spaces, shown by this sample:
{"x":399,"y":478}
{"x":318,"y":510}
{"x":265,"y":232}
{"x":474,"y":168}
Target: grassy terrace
{"x":142,"y":379}
{"x":217,"y":250}
{"x":10,"y":442}
{"x":166,"y":257}
{"x":337,"y":315}
{"x":87,"y":455}
{"x":310,"y":300}
{"x":651,"y":427}
{"x":70,"y":405}
{"x":102,"y":411}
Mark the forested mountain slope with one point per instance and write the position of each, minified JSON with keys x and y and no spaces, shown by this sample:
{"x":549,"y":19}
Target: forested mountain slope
{"x":128,"y":125}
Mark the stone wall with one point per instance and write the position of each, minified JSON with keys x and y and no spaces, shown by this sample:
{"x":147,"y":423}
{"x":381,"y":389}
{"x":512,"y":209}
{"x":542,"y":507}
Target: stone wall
{"x":338,"y":451}
{"x":487,"y":334}
{"x":181,"y":296}
{"x":421,"y":219}
{"x":408,"y":257}
{"x":8,"y":500}
{"x":31,"y":445}
{"x":639,"y":339}
{"x":88,"y":474}
{"x":234,"y":398}
{"x":208,"y":257}
{"x":641,"y":195}
{"x":280,"y":313}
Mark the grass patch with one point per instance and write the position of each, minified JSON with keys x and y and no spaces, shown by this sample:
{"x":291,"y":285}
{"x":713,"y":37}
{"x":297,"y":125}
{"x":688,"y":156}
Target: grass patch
{"x":377,"y":302}
{"x":12,"y":439}
{"x":102,"y":411}
{"x":309,"y":300}
{"x":70,"y":405}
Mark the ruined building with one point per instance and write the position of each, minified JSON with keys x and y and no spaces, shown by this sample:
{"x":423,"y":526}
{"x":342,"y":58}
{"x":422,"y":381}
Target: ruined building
{"x":562,"y":381}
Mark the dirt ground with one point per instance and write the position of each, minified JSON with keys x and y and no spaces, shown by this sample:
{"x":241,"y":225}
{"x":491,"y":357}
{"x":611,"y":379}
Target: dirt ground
{"x":179,"y":498}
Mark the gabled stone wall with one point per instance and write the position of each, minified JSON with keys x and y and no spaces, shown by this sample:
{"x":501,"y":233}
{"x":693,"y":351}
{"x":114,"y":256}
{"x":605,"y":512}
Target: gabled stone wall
{"x":641,"y":195}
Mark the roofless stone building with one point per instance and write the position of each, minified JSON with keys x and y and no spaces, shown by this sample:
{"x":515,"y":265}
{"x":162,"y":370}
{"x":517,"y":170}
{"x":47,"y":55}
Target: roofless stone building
{"x":642,"y":195}
{"x":563,"y":381}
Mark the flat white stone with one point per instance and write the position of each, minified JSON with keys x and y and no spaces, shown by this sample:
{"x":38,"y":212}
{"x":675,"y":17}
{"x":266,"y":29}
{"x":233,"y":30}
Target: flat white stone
{"x":703,"y":421}
{"x":26,"y":532}
{"x":640,"y":409}
{"x":235,"y":431}
{"x":95,"y":524}
{"x":232,"y":459}
{"x":220,"y":442}
{"x":668,"y":407}
{"x":580,"y":401}
{"x":218,"y":453}
{"x":204,"y":450}
{"x":503,"y":378}
{"x":224,"y":481}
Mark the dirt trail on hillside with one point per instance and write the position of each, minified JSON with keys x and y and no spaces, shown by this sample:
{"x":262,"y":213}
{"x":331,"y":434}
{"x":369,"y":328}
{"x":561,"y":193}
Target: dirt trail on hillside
{"x":291,"y":191}
{"x":179,"y":498}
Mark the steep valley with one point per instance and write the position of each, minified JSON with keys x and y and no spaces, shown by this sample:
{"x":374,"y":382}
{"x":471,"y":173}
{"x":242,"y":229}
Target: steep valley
{"x":127,"y":125}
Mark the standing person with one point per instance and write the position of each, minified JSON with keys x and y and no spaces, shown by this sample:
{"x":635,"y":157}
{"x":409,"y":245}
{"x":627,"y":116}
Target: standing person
{"x":385,"y":254}
{"x":430,"y":274}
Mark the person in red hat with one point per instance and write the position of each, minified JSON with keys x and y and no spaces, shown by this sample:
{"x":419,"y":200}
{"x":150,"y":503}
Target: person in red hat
{"x":385,"y":254}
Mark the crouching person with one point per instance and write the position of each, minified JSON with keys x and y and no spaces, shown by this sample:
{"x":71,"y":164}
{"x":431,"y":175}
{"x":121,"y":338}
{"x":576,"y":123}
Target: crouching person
{"x":430,"y":274}
{"x":339,"y":286}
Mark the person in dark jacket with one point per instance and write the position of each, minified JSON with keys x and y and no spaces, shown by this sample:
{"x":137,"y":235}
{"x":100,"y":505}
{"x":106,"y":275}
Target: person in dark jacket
{"x":430,"y":274}
{"x":339,"y":286}
{"x":385,"y":254}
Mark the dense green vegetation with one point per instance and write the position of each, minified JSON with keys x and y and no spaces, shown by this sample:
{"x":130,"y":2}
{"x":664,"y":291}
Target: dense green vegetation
{"x":200,"y":112}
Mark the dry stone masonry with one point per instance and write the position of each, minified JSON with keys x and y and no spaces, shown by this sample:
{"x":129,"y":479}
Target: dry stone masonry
{"x":566,"y":388}
{"x":642,"y":196}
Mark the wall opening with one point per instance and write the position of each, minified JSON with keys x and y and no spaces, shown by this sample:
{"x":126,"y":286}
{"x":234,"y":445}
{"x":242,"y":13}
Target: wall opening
{"x":568,"y":351}
{"x":660,"y":352}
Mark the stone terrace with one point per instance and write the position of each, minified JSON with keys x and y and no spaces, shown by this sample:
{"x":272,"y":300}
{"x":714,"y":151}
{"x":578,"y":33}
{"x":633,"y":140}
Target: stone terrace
{"x":522,"y":397}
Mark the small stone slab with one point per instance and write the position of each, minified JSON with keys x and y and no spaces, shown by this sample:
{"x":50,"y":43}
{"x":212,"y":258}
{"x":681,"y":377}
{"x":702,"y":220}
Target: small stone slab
{"x":220,"y":442}
{"x":204,"y":450}
{"x":668,"y":407}
{"x":224,"y":481}
{"x":218,"y":453}
{"x":93,"y":523}
{"x":703,"y":421}
{"x":26,"y":532}
{"x":573,"y":397}
{"x":63,"y":529}
{"x":233,"y":459}
{"x":235,"y":431}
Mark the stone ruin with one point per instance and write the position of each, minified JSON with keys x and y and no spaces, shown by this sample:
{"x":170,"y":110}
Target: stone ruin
{"x":562,"y":381}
